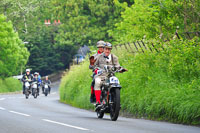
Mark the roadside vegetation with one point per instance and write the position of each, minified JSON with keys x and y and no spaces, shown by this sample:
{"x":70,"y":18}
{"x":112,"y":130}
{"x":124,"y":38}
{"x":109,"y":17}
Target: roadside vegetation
{"x":161,"y":85}
{"x":10,"y":85}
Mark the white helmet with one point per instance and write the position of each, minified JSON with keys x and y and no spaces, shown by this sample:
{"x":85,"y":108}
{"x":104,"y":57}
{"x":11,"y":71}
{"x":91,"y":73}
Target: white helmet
{"x":35,"y":73}
{"x":28,"y":70}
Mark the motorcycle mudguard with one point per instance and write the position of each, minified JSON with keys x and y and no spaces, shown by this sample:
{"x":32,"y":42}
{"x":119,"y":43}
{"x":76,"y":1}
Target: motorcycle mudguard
{"x":114,"y":86}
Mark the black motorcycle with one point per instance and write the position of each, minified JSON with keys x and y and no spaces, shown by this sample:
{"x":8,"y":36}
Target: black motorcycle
{"x":110,"y":94}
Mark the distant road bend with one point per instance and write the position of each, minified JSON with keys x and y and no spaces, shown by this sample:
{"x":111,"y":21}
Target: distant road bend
{"x":48,"y":115}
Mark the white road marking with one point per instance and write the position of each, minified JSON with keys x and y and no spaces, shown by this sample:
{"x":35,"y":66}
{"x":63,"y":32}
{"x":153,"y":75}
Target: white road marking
{"x":19,"y":113}
{"x":2,"y":99}
{"x":53,"y":93}
{"x":63,"y":124}
{"x":2,"y":108}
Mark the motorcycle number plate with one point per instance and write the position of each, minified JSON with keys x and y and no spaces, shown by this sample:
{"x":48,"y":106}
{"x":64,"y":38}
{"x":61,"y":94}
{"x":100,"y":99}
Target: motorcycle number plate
{"x":34,"y":86}
{"x":27,"y":84}
{"x":114,"y":80}
{"x":46,"y":86}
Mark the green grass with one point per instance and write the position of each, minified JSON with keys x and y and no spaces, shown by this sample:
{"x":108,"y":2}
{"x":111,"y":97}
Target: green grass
{"x":10,"y":85}
{"x":158,"y":86}
{"x":75,"y":86}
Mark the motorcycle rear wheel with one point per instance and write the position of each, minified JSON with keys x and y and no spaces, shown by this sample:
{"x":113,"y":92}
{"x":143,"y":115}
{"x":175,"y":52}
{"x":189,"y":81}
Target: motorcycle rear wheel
{"x":35,"y":94}
{"x":26,"y":96}
{"x":115,"y":107}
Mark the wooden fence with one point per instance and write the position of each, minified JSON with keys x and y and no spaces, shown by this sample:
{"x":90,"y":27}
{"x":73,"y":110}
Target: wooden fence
{"x":141,"y":46}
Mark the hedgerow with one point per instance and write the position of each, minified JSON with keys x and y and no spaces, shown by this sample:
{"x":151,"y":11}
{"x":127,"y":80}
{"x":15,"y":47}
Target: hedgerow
{"x":160,"y":85}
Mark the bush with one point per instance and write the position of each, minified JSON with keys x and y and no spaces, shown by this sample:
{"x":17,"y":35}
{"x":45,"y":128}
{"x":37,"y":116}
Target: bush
{"x":10,"y":85}
{"x":75,"y":86}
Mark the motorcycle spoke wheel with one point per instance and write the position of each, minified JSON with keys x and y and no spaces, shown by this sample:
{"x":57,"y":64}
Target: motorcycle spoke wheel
{"x":115,"y":107}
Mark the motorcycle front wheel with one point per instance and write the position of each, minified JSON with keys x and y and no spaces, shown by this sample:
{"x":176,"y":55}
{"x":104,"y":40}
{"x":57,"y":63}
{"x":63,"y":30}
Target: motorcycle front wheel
{"x":100,"y":114}
{"x":115,"y":106}
{"x":35,"y":93}
{"x":46,"y":92}
{"x":26,"y":94}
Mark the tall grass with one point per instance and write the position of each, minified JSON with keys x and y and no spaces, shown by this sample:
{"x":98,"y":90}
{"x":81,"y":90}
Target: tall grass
{"x":75,"y":86}
{"x":10,"y":85}
{"x":161,"y":86}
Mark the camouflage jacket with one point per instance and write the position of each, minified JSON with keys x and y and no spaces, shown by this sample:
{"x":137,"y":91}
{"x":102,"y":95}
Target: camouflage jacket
{"x":103,"y":60}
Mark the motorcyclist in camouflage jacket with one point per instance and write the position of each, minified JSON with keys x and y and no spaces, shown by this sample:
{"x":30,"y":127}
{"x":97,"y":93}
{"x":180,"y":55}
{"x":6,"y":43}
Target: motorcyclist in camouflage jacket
{"x":104,"y":59}
{"x":100,"y":46}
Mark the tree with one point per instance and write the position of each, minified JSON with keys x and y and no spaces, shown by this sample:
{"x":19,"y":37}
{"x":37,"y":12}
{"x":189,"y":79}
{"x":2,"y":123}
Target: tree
{"x":13,"y":54}
{"x":156,"y":18}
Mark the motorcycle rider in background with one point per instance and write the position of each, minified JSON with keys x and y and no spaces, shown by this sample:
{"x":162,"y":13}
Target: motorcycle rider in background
{"x":44,"y":82}
{"x":104,"y":59}
{"x":26,"y":77}
{"x":100,"y":46}
{"x":39,"y":81}
{"x":39,"y":77}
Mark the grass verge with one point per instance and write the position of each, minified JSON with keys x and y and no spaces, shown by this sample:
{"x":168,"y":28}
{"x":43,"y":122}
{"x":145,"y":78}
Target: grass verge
{"x":10,"y":85}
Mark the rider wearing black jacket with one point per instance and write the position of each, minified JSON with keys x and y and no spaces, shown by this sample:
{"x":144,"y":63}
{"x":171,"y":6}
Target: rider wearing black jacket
{"x":46,"y":81}
{"x":26,"y":77}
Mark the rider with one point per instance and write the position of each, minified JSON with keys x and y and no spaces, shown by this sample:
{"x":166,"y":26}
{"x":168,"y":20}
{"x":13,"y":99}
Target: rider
{"x":26,"y":77}
{"x":100,"y":46}
{"x":39,"y":77}
{"x":36,"y":79}
{"x":46,"y":81}
{"x":104,"y":59}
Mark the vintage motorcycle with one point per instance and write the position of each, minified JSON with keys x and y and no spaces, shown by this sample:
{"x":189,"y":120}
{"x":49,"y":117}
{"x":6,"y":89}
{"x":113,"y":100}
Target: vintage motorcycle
{"x":110,"y":93}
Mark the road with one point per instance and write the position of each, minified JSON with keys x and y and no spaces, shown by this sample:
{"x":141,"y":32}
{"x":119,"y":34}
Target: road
{"x":48,"y":115}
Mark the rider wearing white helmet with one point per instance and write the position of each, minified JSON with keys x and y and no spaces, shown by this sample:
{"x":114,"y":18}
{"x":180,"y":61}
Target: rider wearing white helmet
{"x":27,"y":77}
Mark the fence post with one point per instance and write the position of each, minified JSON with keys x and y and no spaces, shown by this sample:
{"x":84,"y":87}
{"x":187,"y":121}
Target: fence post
{"x":136,"y":47}
{"x":140,"y":46}
{"x":188,"y":35}
{"x":131,"y":48}
{"x":150,"y":49}
{"x":177,"y":35}
{"x":154,"y":48}
{"x":126,"y":48}
{"x":148,"y":46}
{"x":144,"y":45}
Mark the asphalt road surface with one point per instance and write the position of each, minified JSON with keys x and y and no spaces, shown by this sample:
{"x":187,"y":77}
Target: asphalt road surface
{"x":48,"y":115}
